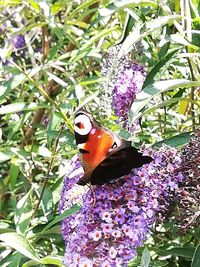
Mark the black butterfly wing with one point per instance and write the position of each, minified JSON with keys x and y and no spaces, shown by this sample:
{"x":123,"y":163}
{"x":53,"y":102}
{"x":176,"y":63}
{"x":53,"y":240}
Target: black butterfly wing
{"x":118,"y":164}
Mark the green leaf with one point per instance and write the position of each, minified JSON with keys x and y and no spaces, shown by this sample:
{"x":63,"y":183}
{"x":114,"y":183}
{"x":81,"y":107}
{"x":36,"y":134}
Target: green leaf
{"x":145,"y":96}
{"x":175,"y":141}
{"x":163,"y":50}
{"x":53,"y":260}
{"x":83,"y":6}
{"x":129,"y":23}
{"x":126,"y":3}
{"x":138,"y":32}
{"x":181,"y":252}
{"x":169,"y":102}
{"x":152,"y":74}
{"x":13,"y":260}
{"x":10,"y":2}
{"x":62,"y":216}
{"x":196,"y":257}
{"x":179,"y":39}
{"x":15,"y":81}
{"x":20,"y":106}
{"x":91,"y":80}
{"x":1,"y":132}
{"x":23,"y":30}
{"x":24,"y":211}
{"x":183,"y":106}
{"x":86,"y":48}
{"x":6,"y":155}
{"x":6,"y":227}
{"x":118,"y":5}
{"x":13,"y":173}
{"x":57,"y":79}
{"x":34,"y":4}
{"x":47,"y":199}
{"x":49,"y":260}
{"x":145,"y":259}
{"x":87,"y":99}
{"x":21,"y":244}
{"x":47,"y":202}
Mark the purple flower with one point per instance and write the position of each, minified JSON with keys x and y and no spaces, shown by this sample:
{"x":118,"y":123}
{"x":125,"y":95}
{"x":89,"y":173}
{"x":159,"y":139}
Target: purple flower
{"x":123,"y":80}
{"x":188,"y":198}
{"x":108,"y":232}
{"x":18,"y":41}
{"x":5,"y":62}
{"x":128,"y":84}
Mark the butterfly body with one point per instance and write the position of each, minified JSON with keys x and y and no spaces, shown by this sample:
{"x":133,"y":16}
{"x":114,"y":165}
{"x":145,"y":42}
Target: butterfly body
{"x":104,"y":155}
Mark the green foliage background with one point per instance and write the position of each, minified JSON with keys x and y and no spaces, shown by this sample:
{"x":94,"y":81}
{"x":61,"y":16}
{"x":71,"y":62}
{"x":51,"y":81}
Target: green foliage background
{"x":60,"y":72}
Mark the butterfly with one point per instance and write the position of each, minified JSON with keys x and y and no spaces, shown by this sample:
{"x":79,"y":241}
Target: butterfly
{"x":104,"y":155}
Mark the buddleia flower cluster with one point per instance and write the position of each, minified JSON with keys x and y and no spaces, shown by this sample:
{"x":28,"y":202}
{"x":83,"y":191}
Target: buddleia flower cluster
{"x":108,"y":232}
{"x":188,"y":200}
{"x":115,"y":218}
{"x":123,"y":79}
{"x":25,"y":46}
{"x":18,"y":41}
{"x":10,"y":40}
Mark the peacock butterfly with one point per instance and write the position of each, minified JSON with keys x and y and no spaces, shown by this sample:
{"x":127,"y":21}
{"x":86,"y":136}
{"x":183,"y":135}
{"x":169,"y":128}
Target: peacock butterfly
{"x":104,"y":155}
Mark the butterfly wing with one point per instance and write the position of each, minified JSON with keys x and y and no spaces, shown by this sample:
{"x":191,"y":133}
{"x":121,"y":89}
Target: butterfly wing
{"x":104,"y":155}
{"x":118,"y":164}
{"x":93,"y":142}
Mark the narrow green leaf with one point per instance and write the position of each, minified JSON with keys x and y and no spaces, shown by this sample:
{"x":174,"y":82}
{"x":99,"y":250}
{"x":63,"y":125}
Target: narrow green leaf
{"x":91,"y":80}
{"x":129,"y":23}
{"x":20,"y":106}
{"x":152,"y":74}
{"x":83,"y":6}
{"x":47,"y":202}
{"x":5,"y":155}
{"x":45,"y":94}
{"x":145,"y":96}
{"x":6,"y":227}
{"x":1,"y":133}
{"x":175,"y":141}
{"x":49,"y":260}
{"x":145,"y":259}
{"x":66,"y":214}
{"x":138,"y":33}
{"x":57,"y":79}
{"x":13,"y":260}
{"x":163,"y":50}
{"x":24,"y":211}
{"x":108,"y":10}
{"x":15,"y":81}
{"x":179,"y":39}
{"x":30,"y":263}
{"x":196,"y":257}
{"x":21,"y":244}
{"x":53,"y":260}
{"x":182,"y":252}
{"x":117,"y":5}
{"x":178,"y":94}
{"x":169,"y":102}
{"x":183,"y":106}
{"x":34,"y":4}
{"x":23,"y":30}
{"x":9,"y":2}
{"x":189,"y":55}
{"x":126,"y":3}
{"x":13,"y":174}
{"x":86,"y":48}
